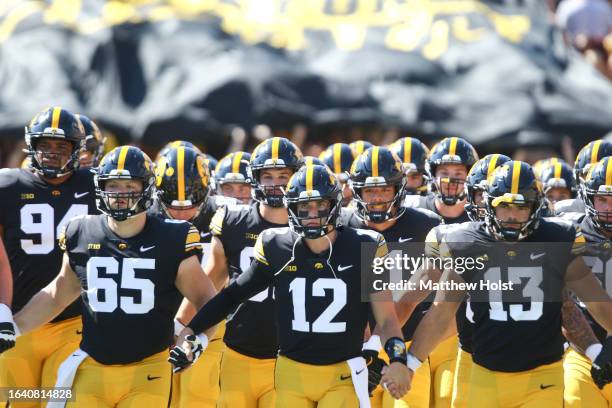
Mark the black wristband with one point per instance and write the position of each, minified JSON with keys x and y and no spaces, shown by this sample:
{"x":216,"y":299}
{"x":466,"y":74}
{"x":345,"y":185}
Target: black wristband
{"x":396,"y":350}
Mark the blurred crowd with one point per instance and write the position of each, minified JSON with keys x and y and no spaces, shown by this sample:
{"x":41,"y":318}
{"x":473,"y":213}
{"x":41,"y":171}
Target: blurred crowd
{"x":587,"y":25}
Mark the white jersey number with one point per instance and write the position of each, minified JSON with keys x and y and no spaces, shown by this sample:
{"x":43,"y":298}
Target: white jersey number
{"x":39,"y":219}
{"x":531,"y":290}
{"x":102,"y":292}
{"x":323,"y":324}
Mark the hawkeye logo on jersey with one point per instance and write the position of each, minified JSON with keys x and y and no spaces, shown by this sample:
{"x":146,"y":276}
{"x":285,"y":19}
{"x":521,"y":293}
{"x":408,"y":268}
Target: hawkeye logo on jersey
{"x":511,"y":254}
{"x":93,"y":246}
{"x":122,"y":245}
{"x":318,"y":265}
{"x":56,"y":192}
{"x":27,"y":196}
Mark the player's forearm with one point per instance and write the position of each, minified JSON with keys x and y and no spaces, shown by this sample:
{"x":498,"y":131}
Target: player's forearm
{"x":41,"y":309}
{"x":576,"y":328}
{"x":432,"y":329}
{"x":6,"y":278}
{"x":6,"y":285}
{"x":214,"y":311}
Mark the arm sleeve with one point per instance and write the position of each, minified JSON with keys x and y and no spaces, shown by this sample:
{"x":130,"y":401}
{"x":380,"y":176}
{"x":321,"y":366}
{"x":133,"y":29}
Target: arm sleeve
{"x":249,"y":283}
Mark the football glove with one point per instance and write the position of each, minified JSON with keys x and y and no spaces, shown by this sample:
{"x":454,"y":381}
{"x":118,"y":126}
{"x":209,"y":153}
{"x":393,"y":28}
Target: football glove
{"x":375,"y":365}
{"x":8,"y":329}
{"x":601,"y":370}
{"x":178,"y":355}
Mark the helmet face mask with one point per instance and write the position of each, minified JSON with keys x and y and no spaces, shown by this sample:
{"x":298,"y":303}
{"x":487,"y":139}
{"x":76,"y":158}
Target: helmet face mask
{"x":475,"y":207}
{"x":392,"y":208}
{"x":232,"y":178}
{"x":513,"y":228}
{"x":310,"y":188}
{"x":268,"y":160}
{"x":513,"y":193}
{"x":447,"y":167}
{"x":313,"y":227}
{"x":597,"y":190}
{"x":378,"y":168}
{"x":129,"y":164}
{"x":476,"y":184}
{"x":42,"y":135}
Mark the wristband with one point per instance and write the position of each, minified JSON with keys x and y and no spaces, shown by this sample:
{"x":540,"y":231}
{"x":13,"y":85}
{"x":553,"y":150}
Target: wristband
{"x":396,"y":350}
{"x":6,"y":315}
{"x":413,"y":362}
{"x":178,"y":327}
{"x":593,"y":351}
{"x":373,"y":343}
{"x":203,"y":340}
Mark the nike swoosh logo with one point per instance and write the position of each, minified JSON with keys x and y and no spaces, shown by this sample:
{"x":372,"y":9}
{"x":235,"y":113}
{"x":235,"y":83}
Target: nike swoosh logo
{"x":400,"y":240}
{"x":342,"y":377}
{"x":360,"y":371}
{"x":204,"y":234}
{"x":152,"y":378}
{"x":543,"y":387}
{"x":145,"y":249}
{"x":533,"y":256}
{"x":79,"y":195}
{"x":343,"y":268}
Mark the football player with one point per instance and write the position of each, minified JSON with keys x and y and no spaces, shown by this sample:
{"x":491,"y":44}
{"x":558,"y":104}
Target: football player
{"x":588,"y":156}
{"x":94,"y":143}
{"x":596,"y":226}
{"x":378,"y":182}
{"x":232,"y":178}
{"x":247,"y":367}
{"x":558,"y":182}
{"x":36,"y":204}
{"x":413,"y":153}
{"x":339,"y":158}
{"x":319,"y":311}
{"x":517,"y":344}
{"x":131,"y":270}
{"x":183,"y":193}
{"x":447,"y":167}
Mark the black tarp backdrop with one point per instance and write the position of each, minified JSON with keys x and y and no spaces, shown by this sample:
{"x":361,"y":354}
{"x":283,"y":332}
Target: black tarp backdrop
{"x":156,"y":71}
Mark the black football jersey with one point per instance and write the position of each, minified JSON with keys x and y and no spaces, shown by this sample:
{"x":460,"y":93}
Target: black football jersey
{"x":319,"y":310}
{"x":33,"y":213}
{"x":251,"y":329}
{"x":201,"y":221}
{"x":128,"y":285}
{"x":520,"y":334}
{"x":597,"y":255}
{"x":428,"y":202}
{"x":412,"y":226}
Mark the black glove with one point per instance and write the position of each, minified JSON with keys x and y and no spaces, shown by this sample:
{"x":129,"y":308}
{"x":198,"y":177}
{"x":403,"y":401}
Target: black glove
{"x":601,"y":370}
{"x":7,"y":336}
{"x":375,"y":367}
{"x":178,"y":356}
